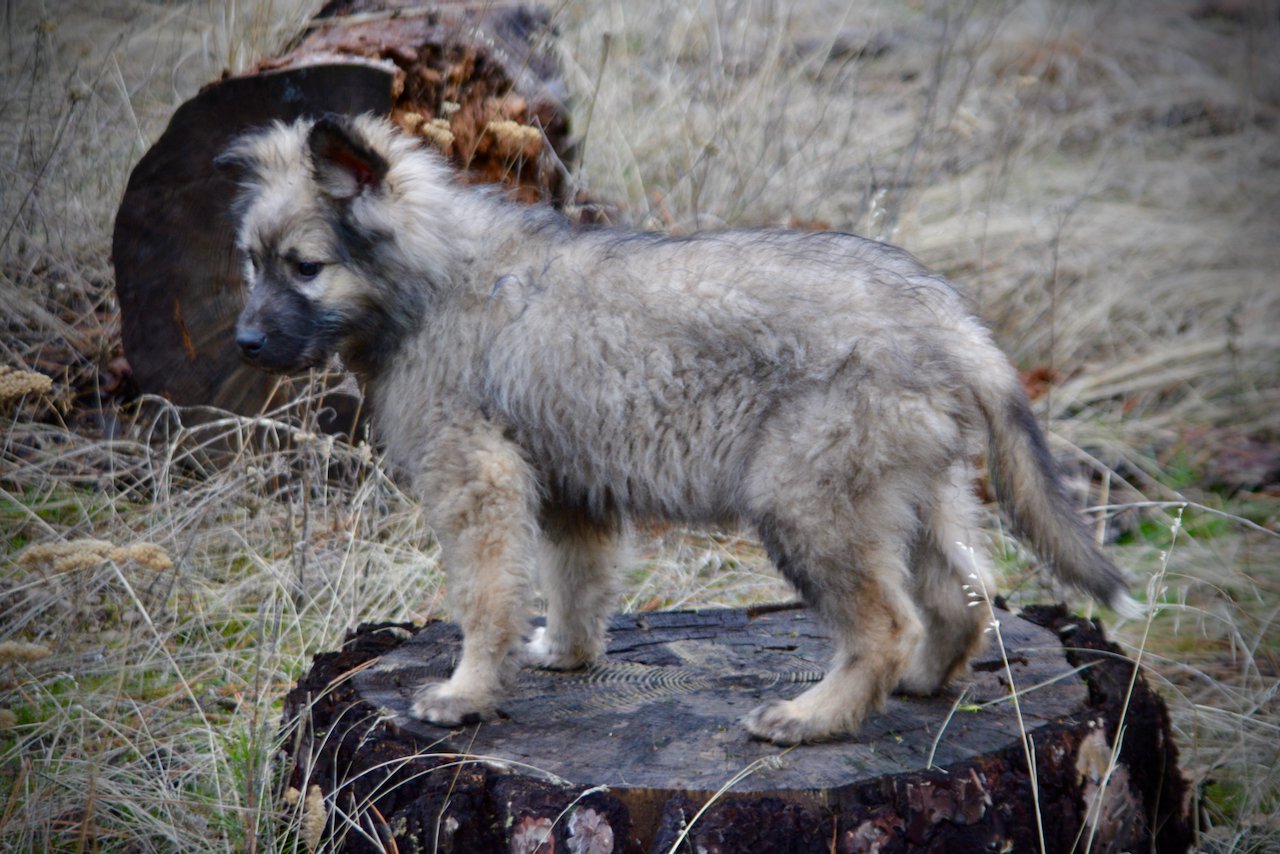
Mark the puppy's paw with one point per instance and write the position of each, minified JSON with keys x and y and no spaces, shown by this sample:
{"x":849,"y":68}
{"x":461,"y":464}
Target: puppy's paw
{"x":919,"y":687}
{"x":438,"y":704}
{"x":928,"y":674}
{"x":540,"y":652}
{"x":779,"y":722}
{"x":789,"y":722}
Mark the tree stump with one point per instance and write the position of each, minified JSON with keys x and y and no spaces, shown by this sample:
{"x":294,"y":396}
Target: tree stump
{"x":643,"y":752}
{"x":475,"y":80}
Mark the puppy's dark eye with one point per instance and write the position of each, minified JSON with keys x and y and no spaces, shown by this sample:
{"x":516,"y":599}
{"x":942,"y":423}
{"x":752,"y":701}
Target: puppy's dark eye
{"x":307,"y":269}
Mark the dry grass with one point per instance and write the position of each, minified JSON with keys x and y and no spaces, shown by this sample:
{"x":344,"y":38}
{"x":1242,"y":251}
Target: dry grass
{"x":1103,"y":178}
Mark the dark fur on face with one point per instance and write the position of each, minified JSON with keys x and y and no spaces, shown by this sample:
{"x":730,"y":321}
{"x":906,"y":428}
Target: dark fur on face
{"x":314,"y":287}
{"x":280,"y":329}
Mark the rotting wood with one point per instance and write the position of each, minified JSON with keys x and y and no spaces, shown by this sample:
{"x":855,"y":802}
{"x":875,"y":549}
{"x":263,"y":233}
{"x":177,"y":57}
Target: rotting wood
{"x":476,"y":80}
{"x":624,"y":756}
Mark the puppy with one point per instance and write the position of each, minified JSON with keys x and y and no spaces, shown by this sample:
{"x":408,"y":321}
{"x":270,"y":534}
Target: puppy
{"x":539,"y":385}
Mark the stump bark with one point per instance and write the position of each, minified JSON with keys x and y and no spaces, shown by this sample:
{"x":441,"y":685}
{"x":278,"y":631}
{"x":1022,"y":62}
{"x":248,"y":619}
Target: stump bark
{"x":643,"y":752}
{"x":475,"y":80}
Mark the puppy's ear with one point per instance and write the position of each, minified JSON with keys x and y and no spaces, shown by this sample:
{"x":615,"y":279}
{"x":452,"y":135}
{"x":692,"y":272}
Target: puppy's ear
{"x":236,"y":161}
{"x":345,"y":165}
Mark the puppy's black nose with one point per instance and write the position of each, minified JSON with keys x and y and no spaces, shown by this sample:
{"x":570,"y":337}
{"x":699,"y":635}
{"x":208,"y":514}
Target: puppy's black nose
{"x":251,"y":341}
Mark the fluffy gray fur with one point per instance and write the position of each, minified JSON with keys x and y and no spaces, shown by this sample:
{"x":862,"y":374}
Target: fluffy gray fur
{"x":540,"y":385}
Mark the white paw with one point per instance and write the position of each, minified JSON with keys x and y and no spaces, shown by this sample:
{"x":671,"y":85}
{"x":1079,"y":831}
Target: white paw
{"x":815,"y":715}
{"x":916,"y":683}
{"x":439,"y":705}
{"x":540,"y":652}
{"x":778,"y":721}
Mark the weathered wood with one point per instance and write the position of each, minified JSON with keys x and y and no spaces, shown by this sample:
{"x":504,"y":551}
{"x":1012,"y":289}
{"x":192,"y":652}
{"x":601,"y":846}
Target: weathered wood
{"x":650,"y":735}
{"x":178,"y":277}
{"x":481,"y":73}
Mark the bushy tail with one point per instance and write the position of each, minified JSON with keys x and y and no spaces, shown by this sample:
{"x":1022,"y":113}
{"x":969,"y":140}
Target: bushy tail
{"x":1029,"y":490}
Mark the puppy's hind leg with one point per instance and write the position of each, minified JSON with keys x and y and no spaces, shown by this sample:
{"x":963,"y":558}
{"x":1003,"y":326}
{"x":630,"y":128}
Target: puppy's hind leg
{"x":948,"y":561}
{"x":578,"y":571}
{"x":858,"y":588}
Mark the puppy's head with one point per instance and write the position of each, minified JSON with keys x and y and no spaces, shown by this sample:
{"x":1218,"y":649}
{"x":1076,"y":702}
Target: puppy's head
{"x":310,"y":230}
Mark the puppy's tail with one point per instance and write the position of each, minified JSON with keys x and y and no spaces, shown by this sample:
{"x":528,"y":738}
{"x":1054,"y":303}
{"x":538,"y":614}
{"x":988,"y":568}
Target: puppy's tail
{"x":1031,"y":493}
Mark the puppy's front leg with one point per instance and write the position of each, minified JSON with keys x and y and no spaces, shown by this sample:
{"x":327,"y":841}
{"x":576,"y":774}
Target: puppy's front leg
{"x":480,"y":498}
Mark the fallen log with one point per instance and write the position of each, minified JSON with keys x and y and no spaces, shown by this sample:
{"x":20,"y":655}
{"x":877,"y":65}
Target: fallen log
{"x":643,"y":753}
{"x":475,"y":80}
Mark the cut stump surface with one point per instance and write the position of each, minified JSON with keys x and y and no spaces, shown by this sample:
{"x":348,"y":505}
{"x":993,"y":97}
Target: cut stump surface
{"x":651,"y":734}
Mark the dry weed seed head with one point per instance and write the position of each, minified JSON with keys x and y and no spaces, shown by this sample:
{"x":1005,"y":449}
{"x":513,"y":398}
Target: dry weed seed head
{"x":438,"y":133}
{"x":18,"y":383}
{"x":435,"y":131}
{"x":314,"y":818}
{"x":148,"y":556}
{"x":66,"y":557}
{"x":8,"y":720}
{"x":88,"y":554}
{"x":22,"y":652}
{"x":410,"y":121}
{"x":514,"y":139}
{"x":314,"y":814}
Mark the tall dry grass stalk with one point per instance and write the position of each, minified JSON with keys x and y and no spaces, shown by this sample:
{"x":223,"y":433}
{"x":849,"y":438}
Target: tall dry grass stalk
{"x":1101,"y":177}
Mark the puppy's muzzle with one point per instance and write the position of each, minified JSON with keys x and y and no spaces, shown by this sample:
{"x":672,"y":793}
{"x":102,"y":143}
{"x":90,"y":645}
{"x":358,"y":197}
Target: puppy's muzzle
{"x":252,"y":342}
